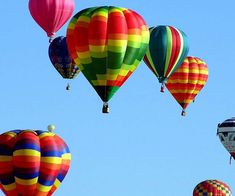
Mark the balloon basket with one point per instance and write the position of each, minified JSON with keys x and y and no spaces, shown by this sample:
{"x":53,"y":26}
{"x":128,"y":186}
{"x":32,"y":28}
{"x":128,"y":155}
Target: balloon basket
{"x":50,"y":39}
{"x":183,"y":113}
{"x":162,"y":88}
{"x":105,"y":108}
{"x":68,"y":87}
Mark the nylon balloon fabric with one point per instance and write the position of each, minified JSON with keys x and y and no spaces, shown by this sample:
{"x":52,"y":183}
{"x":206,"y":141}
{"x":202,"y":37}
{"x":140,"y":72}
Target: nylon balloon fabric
{"x":32,"y":162}
{"x":61,"y":59}
{"x":168,"y":47}
{"x":212,"y":188}
{"x":188,"y":80}
{"x":226,"y":133}
{"x":51,"y":15}
{"x":107,"y":43}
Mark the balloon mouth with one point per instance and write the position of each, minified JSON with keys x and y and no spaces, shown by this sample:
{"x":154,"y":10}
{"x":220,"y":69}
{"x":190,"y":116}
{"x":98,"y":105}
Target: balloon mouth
{"x":162,"y":79}
{"x":51,"y":37}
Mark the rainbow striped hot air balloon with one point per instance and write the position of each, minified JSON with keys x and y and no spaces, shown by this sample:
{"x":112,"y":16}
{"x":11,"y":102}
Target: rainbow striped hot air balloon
{"x":212,"y":188}
{"x":187,"y":81}
{"x":168,"y":47}
{"x":107,"y":44}
{"x":32,"y":162}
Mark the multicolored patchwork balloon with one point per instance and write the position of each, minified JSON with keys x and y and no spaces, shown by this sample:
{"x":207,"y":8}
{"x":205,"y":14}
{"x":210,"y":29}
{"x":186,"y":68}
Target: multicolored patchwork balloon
{"x":226,"y":133}
{"x":51,"y":15}
{"x":212,"y":188}
{"x":187,"y":81}
{"x":61,"y":59}
{"x":168,"y":47}
{"x":32,"y":162}
{"x":107,"y":44}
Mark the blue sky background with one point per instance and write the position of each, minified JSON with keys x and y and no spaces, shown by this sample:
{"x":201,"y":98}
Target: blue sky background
{"x":144,"y":147}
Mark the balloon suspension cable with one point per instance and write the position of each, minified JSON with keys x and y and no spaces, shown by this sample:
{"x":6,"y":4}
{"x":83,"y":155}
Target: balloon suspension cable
{"x":105,"y":108}
{"x":162,"y":88}
{"x":183,"y":113}
{"x":68,"y":87}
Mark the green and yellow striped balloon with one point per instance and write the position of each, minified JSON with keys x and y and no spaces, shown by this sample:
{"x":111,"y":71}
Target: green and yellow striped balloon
{"x":107,"y":43}
{"x":168,"y":47}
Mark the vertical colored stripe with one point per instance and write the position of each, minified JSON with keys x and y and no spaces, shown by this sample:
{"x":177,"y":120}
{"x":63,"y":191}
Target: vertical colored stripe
{"x":167,"y":49}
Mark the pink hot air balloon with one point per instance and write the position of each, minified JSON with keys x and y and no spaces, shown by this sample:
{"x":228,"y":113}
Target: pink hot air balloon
{"x":51,"y":15}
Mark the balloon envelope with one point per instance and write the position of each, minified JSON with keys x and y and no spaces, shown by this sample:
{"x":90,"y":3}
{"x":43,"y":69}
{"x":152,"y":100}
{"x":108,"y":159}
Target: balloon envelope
{"x":187,"y":81}
{"x":32,"y":162}
{"x":61,"y":59}
{"x":167,"y":49}
{"x":51,"y":128}
{"x":212,"y":188}
{"x":51,"y":15}
{"x":108,"y":44}
{"x":226,"y":133}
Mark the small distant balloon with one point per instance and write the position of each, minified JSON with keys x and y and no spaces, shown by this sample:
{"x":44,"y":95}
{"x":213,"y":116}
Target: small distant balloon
{"x":212,"y":188}
{"x":51,"y":128}
{"x":226,"y":133}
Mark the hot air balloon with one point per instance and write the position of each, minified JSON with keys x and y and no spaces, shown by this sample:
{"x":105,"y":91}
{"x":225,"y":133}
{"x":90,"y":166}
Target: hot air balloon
{"x":187,"y":81}
{"x":51,"y":15}
{"x":107,"y":44}
{"x":226,"y":133}
{"x":61,"y":59}
{"x":51,"y":128}
{"x":32,"y":162}
{"x":167,"y":49}
{"x":212,"y":188}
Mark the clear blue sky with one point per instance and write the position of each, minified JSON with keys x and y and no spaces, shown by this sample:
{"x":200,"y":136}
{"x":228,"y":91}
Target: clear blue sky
{"x":143,"y":147}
